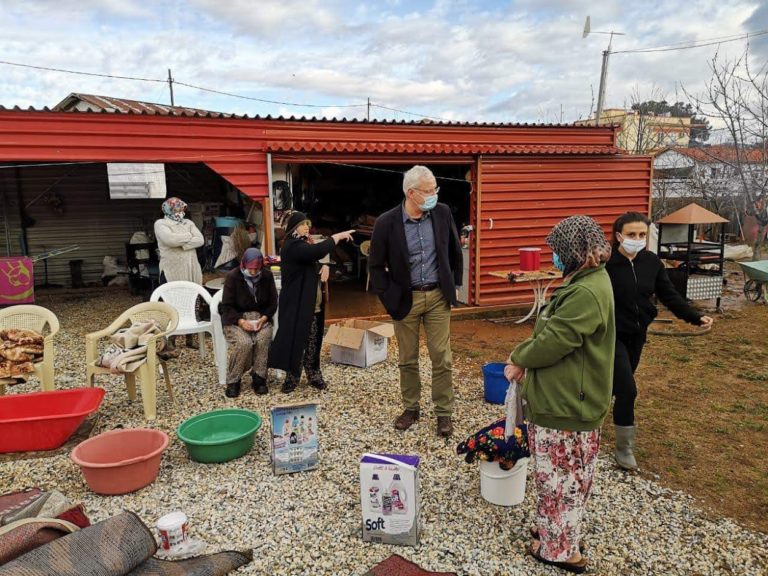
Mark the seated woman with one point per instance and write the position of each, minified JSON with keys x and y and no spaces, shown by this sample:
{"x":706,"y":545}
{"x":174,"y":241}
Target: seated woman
{"x":247,"y":306}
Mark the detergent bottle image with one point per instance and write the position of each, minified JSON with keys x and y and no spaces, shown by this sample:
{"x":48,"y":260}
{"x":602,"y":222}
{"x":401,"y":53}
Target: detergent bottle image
{"x":374,"y":495}
{"x":399,"y":498}
{"x":386,"y":502}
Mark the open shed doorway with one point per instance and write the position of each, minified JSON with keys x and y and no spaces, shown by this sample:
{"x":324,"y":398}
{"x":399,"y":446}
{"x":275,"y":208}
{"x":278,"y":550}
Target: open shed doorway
{"x":340,"y":196}
{"x":94,"y":231}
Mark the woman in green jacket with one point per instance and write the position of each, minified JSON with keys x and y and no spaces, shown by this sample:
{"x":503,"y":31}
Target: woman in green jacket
{"x":568,"y":368}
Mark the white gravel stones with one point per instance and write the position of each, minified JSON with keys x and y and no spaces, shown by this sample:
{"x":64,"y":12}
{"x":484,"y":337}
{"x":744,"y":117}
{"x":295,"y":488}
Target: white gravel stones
{"x":309,"y":523}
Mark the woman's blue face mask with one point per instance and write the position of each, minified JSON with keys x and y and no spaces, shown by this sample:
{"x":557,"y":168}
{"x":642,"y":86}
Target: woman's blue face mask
{"x":557,"y":263}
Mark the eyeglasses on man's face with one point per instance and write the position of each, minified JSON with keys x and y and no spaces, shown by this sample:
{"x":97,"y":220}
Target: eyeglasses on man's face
{"x":431,"y":192}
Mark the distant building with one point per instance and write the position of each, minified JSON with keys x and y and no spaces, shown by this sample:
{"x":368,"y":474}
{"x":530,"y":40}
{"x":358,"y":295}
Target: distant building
{"x":708,"y":175}
{"x":645,"y":133}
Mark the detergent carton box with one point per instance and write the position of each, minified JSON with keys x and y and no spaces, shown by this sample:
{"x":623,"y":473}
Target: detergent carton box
{"x":389,"y":495}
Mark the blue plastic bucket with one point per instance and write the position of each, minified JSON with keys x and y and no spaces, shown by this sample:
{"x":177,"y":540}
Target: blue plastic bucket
{"x":227,"y":221}
{"x":494,"y":383}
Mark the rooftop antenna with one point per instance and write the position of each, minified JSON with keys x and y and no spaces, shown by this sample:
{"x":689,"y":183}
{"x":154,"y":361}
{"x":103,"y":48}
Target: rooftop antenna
{"x":604,"y":70}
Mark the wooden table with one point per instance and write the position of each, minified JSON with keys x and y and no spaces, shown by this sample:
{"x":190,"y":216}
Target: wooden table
{"x":540,"y":281}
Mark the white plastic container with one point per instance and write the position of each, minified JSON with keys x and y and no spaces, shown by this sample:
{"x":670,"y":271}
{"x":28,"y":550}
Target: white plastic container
{"x":503,"y":487}
{"x":173,"y":531}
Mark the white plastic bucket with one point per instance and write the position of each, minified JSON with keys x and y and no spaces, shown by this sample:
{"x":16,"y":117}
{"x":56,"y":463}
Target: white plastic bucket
{"x":503,"y":487}
{"x":173,"y":530}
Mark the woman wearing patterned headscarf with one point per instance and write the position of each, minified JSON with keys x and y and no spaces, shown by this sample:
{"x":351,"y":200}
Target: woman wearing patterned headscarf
{"x":177,"y":241}
{"x":568,"y":365}
{"x":247,"y":306}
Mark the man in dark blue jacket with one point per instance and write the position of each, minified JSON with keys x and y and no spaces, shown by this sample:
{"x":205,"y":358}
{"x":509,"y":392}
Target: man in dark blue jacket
{"x":415,"y":265}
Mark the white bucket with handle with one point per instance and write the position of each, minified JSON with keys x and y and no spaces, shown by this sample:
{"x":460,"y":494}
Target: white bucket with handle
{"x":503,"y":487}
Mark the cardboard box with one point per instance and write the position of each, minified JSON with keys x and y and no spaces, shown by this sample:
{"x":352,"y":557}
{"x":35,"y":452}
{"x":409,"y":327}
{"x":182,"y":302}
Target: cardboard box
{"x":295,"y":442}
{"x":360,"y":343}
{"x":389,"y":495}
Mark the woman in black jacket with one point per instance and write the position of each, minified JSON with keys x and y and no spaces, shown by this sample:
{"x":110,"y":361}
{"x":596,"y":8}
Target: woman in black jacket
{"x":302,"y":311}
{"x":637,"y":275}
{"x":247,"y":306}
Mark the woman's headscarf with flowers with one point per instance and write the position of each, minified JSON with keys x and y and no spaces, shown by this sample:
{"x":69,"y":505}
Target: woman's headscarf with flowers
{"x":174,"y":208}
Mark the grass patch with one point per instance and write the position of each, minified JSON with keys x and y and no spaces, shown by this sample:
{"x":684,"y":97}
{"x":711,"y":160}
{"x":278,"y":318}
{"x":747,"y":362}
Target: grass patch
{"x":753,"y":426}
{"x":754,"y":376}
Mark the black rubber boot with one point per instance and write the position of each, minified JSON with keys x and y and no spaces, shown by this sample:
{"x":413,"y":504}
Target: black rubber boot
{"x":233,"y":390}
{"x":289,"y":384}
{"x":315,"y":379}
{"x":259,"y":384}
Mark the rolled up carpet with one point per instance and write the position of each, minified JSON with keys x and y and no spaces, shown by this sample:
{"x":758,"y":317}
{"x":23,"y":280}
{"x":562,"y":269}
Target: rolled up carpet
{"x":119,"y":546}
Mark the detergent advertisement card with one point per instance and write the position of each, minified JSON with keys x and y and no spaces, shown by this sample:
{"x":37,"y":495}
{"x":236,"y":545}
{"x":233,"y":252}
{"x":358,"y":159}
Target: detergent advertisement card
{"x":295,"y":442}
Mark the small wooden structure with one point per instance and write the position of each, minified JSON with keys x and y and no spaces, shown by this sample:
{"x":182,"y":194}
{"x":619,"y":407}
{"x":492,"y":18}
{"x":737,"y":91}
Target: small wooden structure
{"x":699,"y":274}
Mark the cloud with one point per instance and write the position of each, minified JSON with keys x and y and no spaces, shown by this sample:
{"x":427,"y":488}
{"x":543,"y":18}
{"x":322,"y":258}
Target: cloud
{"x":491,"y":61}
{"x":272,"y":18}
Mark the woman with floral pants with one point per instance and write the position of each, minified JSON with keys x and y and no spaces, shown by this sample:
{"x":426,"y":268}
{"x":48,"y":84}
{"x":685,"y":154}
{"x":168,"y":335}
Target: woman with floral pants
{"x":568,"y":368}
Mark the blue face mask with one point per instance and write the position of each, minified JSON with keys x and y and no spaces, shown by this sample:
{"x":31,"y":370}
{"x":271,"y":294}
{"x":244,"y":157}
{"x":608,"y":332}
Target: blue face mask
{"x":247,"y":273}
{"x":557,"y":263}
{"x":429,"y":203}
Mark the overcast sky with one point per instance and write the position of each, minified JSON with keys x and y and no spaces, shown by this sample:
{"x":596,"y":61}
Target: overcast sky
{"x":485,"y":61}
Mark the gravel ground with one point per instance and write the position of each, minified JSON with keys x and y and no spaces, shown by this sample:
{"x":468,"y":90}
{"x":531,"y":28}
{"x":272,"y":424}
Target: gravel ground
{"x":309,"y":523}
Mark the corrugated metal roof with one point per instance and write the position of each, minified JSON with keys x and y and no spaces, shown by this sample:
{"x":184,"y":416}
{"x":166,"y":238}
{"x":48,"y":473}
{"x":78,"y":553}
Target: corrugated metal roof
{"x":95,"y":104}
{"x":709,"y":154}
{"x":429,"y":148}
{"x":77,"y":102}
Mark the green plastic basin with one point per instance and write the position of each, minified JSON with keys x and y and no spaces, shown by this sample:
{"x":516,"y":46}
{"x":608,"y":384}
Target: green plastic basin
{"x":220,"y":435}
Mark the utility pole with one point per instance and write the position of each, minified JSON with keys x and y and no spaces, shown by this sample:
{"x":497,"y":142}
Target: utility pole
{"x":604,"y":69}
{"x":170,"y":85}
{"x":368,"y":116}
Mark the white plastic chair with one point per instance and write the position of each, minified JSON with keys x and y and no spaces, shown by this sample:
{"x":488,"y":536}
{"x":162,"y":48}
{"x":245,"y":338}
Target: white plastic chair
{"x":31,"y":317}
{"x":182,"y":295}
{"x":219,"y":342}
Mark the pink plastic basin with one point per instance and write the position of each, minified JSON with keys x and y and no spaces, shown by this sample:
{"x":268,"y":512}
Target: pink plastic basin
{"x":44,"y":420}
{"x":121,"y":461}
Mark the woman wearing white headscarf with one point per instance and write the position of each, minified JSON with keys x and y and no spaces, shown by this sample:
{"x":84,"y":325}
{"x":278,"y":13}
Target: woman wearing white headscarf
{"x":177,"y":241}
{"x":568,"y":366}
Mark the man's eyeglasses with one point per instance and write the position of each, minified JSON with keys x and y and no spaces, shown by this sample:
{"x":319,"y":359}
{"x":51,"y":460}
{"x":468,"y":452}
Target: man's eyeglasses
{"x":435,"y":191}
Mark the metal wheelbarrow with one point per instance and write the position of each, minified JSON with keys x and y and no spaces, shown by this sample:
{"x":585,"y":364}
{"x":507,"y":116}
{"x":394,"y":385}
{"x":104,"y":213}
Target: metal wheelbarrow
{"x":755,"y":280}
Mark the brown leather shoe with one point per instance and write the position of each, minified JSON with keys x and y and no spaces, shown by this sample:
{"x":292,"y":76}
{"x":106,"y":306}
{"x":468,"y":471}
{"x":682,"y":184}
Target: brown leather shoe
{"x":406,"y":419}
{"x":444,"y":426}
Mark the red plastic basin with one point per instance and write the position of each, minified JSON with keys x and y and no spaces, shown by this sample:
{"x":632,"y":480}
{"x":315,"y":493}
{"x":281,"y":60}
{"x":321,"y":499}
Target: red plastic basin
{"x":44,"y":420}
{"x":121,"y":461}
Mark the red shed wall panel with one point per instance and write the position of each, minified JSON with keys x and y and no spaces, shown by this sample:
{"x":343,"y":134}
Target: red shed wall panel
{"x":522,"y":199}
{"x":233,"y":149}
{"x":236,"y":148}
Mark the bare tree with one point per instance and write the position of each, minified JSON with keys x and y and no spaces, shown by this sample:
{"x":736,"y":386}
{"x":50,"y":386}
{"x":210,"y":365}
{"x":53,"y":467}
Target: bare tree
{"x":736,"y":99}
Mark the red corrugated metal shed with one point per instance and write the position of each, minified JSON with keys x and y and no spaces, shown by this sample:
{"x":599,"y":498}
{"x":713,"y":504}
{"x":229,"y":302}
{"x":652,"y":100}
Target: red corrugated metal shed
{"x":526,"y":177}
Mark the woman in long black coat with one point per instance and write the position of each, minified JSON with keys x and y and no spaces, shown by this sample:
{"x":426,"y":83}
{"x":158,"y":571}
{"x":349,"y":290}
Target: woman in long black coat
{"x":301,"y":313}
